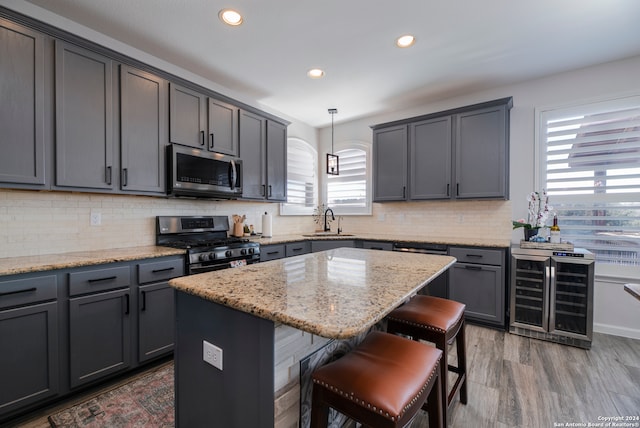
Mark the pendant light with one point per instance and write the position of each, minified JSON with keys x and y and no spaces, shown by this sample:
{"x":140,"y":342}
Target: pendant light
{"x":332,"y":160}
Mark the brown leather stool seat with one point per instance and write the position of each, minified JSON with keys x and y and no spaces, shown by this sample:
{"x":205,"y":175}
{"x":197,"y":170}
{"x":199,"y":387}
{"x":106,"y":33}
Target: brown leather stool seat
{"x":383,"y":382}
{"x":439,"y":321}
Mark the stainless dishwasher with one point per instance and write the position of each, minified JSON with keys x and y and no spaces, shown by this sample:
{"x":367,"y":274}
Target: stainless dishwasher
{"x":439,"y":287}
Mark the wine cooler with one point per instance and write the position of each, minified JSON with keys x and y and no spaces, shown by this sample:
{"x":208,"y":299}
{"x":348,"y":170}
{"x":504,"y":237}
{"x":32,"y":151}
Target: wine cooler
{"x":552,"y":295}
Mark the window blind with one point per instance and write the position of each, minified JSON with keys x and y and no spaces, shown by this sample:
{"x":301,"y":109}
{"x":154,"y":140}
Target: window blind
{"x":301,"y":174}
{"x":591,"y":171}
{"x":349,"y":189}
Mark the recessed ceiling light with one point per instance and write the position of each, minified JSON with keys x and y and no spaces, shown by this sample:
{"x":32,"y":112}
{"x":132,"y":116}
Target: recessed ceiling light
{"x":230,"y":17}
{"x":315,"y":73}
{"x":405,"y":41}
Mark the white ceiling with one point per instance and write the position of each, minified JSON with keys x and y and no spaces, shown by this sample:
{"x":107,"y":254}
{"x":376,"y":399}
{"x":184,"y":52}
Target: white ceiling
{"x":462,"y":45}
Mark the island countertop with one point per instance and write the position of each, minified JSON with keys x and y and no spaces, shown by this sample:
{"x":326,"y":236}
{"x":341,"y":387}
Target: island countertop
{"x":335,"y":294}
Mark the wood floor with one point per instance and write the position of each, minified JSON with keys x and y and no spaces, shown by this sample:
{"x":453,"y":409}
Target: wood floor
{"x":515,"y":381}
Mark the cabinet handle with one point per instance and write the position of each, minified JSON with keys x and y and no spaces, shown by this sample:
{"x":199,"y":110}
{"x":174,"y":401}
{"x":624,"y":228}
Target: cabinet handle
{"x":26,"y":290}
{"x":376,"y":248}
{"x":270,"y":193}
{"x":125,"y":177}
{"x":202,"y":138}
{"x":271,"y":253}
{"x":108,"y":175}
{"x":457,"y":189}
{"x":211,"y":143}
{"x":263,"y":191}
{"x":475,"y":255}
{"x":126,"y":304}
{"x":107,"y":278}
{"x":448,"y":186}
{"x":144,"y":301}
{"x":404,"y":192}
{"x":296,"y":249}
{"x":473,"y":267}
{"x":163,"y":270}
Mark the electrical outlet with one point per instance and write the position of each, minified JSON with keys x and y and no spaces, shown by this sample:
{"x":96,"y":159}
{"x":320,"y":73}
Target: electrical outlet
{"x":212,"y":354}
{"x":96,"y":218}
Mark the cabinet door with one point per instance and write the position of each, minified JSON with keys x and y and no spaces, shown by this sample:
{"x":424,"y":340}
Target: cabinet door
{"x":29,"y":358}
{"x":530,"y":292}
{"x":322,"y":245}
{"x":276,"y":161}
{"x":22,"y":117}
{"x":84,"y":122}
{"x":482,"y":154}
{"x":390,"y":164}
{"x":297,"y":248}
{"x":156,"y":322}
{"x":99,"y":336}
{"x":143,"y":104}
{"x":481,"y":289}
{"x":253,"y":152}
{"x":187,"y":120}
{"x":430,"y":159}
{"x":223,"y":128}
{"x":272,"y":252}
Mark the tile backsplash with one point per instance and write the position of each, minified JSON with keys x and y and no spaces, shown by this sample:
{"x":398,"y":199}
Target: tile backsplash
{"x":33,"y":222}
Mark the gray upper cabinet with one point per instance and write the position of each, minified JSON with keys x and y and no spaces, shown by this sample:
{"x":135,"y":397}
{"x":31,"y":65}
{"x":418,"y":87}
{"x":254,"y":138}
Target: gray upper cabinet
{"x":263,"y":150}
{"x":390,"y":164}
{"x":223,"y":127}
{"x":199,"y":121}
{"x":84,"y":118}
{"x":430,"y":159}
{"x":456,"y":154}
{"x":276,"y":161}
{"x":482,"y":156}
{"x":144,"y":123}
{"x":187,"y":117}
{"x":22,"y":118}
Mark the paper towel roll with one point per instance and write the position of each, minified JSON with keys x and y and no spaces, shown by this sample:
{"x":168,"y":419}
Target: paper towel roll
{"x":266,"y":225}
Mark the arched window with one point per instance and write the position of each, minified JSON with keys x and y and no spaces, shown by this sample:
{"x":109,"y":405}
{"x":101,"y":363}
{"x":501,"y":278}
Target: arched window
{"x":302,"y":178}
{"x":350,"y":191}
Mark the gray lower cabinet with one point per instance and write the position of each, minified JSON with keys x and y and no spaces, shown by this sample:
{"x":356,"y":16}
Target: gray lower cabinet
{"x":143,"y":131}
{"x":22,"y":142}
{"x":330,"y":244}
{"x":84,"y":118}
{"x":477,"y":280}
{"x":263,"y":150}
{"x":377,"y":245}
{"x":272,"y":252}
{"x":29,"y":360}
{"x":297,"y":248}
{"x":99,"y":335}
{"x":156,"y":307}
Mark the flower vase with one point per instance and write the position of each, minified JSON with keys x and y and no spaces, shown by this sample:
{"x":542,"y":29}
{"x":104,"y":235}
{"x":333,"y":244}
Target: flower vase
{"x":529,"y":233}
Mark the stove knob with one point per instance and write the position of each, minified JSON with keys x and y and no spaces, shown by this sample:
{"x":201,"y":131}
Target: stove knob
{"x":243,"y":251}
{"x":251,"y":251}
{"x":202,"y":257}
{"x":227,"y":253}
{"x":212,"y":256}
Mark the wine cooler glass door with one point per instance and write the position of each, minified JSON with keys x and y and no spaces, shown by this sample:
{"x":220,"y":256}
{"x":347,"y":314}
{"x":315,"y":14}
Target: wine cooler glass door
{"x":530,"y":292}
{"x":571,"y":311}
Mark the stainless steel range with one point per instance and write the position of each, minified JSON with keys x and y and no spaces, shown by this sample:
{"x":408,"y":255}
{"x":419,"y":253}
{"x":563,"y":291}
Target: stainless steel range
{"x":206,"y":242}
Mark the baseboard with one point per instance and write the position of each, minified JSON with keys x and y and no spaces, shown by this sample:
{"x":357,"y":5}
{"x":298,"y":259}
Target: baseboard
{"x":614,"y":330}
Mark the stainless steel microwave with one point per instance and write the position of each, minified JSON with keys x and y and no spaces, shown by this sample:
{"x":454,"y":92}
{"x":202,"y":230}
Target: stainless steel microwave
{"x":202,"y":174}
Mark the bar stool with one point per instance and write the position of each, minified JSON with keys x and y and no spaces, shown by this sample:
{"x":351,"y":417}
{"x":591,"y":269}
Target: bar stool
{"x":439,"y":321}
{"x":383,"y":382}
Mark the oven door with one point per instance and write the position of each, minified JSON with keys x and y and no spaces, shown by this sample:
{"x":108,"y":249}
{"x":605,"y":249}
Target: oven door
{"x":196,"y":268}
{"x":198,"y":173}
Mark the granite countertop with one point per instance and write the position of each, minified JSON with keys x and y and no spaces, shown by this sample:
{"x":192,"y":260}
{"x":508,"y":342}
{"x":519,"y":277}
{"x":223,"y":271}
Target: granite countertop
{"x":335,"y":294}
{"x":26,"y":264}
{"x":470,"y":241}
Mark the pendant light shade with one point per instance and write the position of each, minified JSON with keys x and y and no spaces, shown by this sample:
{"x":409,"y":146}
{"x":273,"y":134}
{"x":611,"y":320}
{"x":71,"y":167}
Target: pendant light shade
{"x":333,"y":166}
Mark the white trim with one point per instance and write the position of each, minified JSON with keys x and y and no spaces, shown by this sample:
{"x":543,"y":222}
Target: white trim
{"x":632,"y":333}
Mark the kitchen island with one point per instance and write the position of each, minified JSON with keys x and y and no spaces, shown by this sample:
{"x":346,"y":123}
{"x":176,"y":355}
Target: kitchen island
{"x":259,"y":314}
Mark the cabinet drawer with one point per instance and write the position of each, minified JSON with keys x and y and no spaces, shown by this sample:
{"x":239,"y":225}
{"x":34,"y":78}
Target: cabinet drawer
{"x":160,"y":271}
{"x":477,"y":255}
{"x":297,"y":248}
{"x":93,"y":280}
{"x":271,"y":252}
{"x":25,"y":291}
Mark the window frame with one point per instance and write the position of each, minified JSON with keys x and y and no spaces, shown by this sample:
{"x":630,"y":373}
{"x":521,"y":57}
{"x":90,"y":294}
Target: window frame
{"x":298,"y":209}
{"x":540,"y":171}
{"x":352,"y":211}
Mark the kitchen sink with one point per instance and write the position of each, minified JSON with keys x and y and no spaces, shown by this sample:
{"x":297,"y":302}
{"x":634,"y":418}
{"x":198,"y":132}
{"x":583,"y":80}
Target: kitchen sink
{"x":311,"y":235}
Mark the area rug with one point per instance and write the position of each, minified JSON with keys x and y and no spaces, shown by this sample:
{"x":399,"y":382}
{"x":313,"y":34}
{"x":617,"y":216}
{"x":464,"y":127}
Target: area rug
{"x":147,"y":401}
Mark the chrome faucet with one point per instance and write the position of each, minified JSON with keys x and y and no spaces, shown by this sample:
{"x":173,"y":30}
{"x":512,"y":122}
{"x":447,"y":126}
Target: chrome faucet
{"x":333,"y":217}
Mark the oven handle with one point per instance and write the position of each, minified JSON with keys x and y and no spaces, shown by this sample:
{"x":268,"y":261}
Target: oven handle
{"x":420,"y":251}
